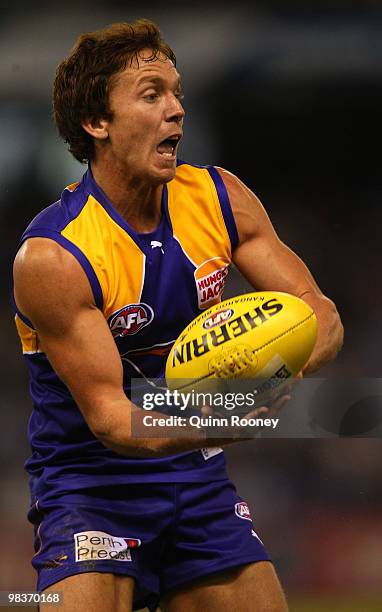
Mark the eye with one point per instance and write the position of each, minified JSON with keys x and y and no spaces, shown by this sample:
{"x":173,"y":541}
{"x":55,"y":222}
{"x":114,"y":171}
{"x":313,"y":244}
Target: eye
{"x":151,"y":97}
{"x":179,"y":96}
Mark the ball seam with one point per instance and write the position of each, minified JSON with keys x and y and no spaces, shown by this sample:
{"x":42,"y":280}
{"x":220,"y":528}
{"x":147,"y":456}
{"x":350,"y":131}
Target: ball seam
{"x":260,"y":348}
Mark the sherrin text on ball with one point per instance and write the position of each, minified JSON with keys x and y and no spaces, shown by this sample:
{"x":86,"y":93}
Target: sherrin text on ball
{"x":267,"y":336}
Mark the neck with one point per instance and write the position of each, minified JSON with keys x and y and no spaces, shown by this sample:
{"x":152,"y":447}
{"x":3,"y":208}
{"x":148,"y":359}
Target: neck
{"x":137,"y":201}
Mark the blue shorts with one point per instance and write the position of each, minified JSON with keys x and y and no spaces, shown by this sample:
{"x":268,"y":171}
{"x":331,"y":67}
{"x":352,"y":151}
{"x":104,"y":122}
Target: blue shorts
{"x":163,"y":535}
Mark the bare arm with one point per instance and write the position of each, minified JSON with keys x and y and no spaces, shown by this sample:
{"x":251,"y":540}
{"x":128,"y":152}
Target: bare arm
{"x":268,"y":264}
{"x":52,"y":290}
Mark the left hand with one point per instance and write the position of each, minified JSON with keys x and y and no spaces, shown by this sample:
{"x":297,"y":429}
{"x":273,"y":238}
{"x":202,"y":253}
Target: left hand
{"x":271,"y":410}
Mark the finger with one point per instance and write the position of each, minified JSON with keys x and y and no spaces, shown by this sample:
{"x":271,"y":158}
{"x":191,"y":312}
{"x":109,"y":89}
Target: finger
{"x":283,"y":399}
{"x":207,"y":411}
{"x":278,"y":405}
{"x":293,"y":382}
{"x":261,"y":410}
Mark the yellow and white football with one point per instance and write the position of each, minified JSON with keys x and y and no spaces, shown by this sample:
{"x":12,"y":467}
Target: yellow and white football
{"x":267,"y":335}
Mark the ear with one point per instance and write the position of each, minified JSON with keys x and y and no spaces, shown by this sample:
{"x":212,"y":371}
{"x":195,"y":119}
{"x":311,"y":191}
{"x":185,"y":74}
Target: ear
{"x":96,"y":127}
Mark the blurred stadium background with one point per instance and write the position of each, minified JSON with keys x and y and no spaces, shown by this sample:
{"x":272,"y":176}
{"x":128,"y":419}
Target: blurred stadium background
{"x":288,"y":95}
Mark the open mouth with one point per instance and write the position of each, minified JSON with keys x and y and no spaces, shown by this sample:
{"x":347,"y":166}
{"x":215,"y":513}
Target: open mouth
{"x":168,"y":146}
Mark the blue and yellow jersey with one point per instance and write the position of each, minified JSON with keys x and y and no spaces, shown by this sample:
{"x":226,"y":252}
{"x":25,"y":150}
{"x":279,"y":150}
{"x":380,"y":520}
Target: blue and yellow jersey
{"x":149,"y":287}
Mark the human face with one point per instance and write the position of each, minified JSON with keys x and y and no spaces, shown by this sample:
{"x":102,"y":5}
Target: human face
{"x":146,"y":111}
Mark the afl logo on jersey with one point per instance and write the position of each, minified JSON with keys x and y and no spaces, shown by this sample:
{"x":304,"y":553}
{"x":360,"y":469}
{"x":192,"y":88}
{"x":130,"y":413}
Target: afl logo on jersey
{"x":130,"y":319}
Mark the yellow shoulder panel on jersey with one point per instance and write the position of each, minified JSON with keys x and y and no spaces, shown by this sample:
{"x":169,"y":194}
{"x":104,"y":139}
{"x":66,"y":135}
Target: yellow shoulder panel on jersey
{"x":106,"y":246}
{"x":199,"y":227}
{"x":28,"y":336}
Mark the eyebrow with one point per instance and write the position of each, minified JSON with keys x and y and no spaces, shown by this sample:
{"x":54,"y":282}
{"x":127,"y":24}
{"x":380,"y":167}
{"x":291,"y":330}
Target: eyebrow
{"x":155,"y":79}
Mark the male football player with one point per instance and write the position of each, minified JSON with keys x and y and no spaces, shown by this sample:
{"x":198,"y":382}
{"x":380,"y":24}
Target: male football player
{"x":104,"y":281}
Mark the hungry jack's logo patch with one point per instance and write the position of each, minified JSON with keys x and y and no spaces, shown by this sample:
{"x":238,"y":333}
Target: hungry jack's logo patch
{"x":210,"y":279}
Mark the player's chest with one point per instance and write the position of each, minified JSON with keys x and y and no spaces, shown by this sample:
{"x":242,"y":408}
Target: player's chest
{"x":173,"y":289}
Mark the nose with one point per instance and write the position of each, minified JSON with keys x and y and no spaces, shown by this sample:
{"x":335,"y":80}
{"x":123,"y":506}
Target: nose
{"x":175,"y":110}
